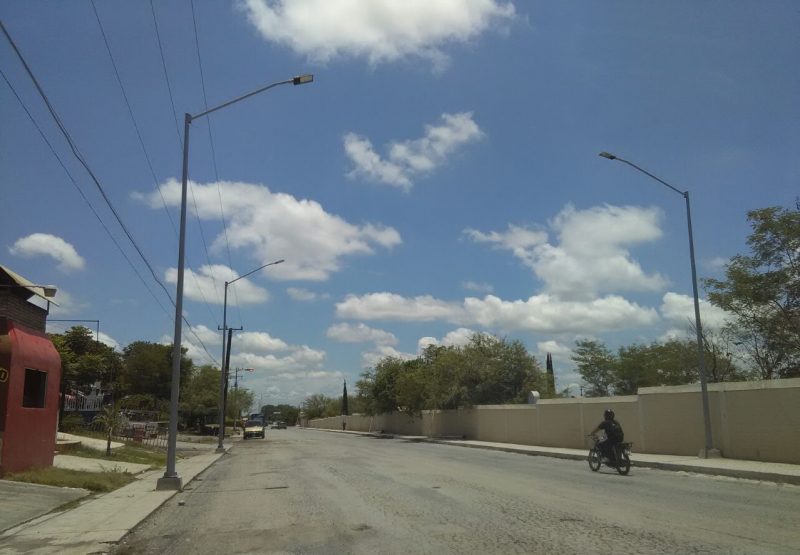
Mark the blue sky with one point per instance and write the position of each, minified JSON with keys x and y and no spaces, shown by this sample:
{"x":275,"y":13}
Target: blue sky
{"x":440,"y":176}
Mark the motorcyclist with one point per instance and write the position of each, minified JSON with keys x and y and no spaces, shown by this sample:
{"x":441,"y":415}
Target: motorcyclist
{"x":613,"y":432}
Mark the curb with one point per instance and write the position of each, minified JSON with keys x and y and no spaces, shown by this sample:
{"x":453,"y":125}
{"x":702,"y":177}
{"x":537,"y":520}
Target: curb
{"x":674,"y":467}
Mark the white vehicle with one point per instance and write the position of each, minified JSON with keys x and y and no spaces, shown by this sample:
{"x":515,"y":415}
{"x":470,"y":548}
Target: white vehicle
{"x":254,"y":428}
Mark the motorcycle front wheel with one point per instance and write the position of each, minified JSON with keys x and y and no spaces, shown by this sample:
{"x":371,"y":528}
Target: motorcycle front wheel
{"x":594,"y":460}
{"x":624,"y":465}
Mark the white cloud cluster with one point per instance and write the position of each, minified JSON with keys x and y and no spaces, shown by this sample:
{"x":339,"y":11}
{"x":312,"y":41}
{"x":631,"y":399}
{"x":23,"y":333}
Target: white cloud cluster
{"x":542,"y":313}
{"x":272,"y":226}
{"x":456,"y":338}
{"x":44,"y":244}
{"x":207,"y":284}
{"x":378,"y":30}
{"x":370,"y":358}
{"x":391,"y":306}
{"x":591,"y":256}
{"x":559,"y":351}
{"x":360,"y":333}
{"x":678,"y":311}
{"x":67,"y":304}
{"x":410,"y":158}
{"x":281,"y":372}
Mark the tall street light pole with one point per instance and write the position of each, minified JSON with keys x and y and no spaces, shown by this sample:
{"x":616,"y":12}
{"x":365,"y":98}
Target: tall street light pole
{"x":171,"y":480}
{"x":224,"y":370}
{"x":709,"y":446}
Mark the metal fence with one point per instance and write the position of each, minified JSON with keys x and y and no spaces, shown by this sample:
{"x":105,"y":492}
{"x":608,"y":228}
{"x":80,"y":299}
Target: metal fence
{"x":152,"y":434}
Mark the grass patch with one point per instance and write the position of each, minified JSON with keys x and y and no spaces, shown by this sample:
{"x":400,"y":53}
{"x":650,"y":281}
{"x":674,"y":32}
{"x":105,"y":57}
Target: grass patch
{"x":99,"y":482}
{"x":128,"y":453}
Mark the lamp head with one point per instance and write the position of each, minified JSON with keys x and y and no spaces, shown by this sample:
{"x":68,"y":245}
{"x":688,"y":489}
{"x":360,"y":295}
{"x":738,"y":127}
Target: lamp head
{"x":303,"y":79}
{"x":608,"y":155}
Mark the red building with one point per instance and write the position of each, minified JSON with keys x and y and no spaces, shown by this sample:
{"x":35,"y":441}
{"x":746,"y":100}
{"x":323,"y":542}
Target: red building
{"x":30,"y":374}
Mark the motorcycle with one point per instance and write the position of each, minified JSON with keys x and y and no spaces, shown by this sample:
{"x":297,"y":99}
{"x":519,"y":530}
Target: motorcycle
{"x":621,"y":457}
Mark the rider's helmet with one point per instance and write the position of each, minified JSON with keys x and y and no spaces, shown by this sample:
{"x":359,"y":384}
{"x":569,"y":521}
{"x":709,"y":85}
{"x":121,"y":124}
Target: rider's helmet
{"x":608,"y":414}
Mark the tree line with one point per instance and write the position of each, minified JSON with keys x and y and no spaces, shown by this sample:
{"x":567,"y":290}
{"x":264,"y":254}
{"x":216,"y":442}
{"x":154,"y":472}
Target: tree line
{"x":139,"y":377}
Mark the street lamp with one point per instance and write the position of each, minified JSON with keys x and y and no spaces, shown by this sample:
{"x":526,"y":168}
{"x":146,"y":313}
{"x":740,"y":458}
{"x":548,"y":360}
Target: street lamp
{"x":171,"y":480}
{"x":223,"y":379}
{"x":698,"y":327}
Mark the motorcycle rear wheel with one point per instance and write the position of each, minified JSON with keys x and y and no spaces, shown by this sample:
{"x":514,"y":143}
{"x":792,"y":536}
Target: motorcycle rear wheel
{"x":624,"y":464}
{"x":594,"y":460}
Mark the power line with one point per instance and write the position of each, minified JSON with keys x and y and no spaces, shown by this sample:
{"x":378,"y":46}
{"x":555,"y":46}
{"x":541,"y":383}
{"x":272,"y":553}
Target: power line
{"x":83,"y":162}
{"x":141,"y":144}
{"x":213,"y":156}
{"x":180,"y":141}
{"x":80,"y":191}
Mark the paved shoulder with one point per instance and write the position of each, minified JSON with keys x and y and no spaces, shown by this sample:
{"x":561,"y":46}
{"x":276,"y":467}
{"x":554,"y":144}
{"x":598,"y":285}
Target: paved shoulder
{"x":23,"y":502}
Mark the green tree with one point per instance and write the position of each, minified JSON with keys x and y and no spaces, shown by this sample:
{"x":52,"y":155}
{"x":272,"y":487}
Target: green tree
{"x":200,"y":395}
{"x":316,"y":406}
{"x":85,"y":360}
{"x":595,"y":364}
{"x":762,"y":292}
{"x":486,"y":370}
{"x":147,"y":370}
{"x":239,"y":402}
{"x":109,"y":419}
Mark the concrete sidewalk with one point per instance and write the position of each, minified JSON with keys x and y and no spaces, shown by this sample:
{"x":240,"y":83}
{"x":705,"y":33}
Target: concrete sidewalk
{"x":96,"y":525}
{"x":88,"y":464}
{"x":720,"y":466}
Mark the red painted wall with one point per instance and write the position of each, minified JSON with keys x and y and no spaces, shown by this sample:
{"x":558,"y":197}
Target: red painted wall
{"x":29,"y":434}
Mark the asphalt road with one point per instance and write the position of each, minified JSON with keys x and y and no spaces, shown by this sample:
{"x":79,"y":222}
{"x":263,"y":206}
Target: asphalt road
{"x":307,"y":491}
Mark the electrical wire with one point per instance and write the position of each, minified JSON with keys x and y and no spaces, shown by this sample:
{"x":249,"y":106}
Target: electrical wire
{"x":82,"y":161}
{"x":80,"y":191}
{"x":214,"y":156}
{"x":180,"y":141}
{"x":141,"y":144}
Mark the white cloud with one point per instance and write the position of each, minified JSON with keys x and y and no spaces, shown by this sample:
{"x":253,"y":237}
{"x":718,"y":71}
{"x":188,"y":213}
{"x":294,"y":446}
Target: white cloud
{"x":108,"y":340}
{"x":370,"y":358}
{"x":559,"y":351}
{"x":360,"y":333}
{"x":391,"y":306}
{"x":378,"y":30}
{"x":304,"y":295}
{"x":67,"y":304}
{"x":299,"y":359}
{"x":456,"y":338}
{"x":252,"y":350}
{"x":44,"y":244}
{"x":592,"y":255}
{"x":271,"y":226}
{"x":425,"y":342}
{"x":540,"y":313}
{"x":477,"y":287}
{"x":678,"y":310}
{"x":410,"y":158}
{"x":208,"y":285}
{"x":259,"y":342}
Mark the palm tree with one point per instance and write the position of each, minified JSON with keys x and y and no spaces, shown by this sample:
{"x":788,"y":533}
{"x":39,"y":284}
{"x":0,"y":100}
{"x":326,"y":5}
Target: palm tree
{"x":109,"y":419}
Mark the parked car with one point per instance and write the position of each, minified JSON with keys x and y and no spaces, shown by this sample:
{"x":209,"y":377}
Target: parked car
{"x":254,"y":428}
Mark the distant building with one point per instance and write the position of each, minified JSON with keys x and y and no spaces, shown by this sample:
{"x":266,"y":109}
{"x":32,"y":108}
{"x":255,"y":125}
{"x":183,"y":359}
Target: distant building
{"x":30,"y":375}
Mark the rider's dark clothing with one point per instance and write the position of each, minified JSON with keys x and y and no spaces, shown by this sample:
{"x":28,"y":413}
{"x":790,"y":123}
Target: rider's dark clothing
{"x":614,"y":436}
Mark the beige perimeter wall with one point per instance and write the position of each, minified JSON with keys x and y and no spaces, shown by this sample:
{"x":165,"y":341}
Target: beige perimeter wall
{"x":750,"y":420}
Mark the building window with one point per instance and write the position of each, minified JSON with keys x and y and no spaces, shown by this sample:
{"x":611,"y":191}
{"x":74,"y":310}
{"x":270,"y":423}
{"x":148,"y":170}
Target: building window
{"x":35,"y":389}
